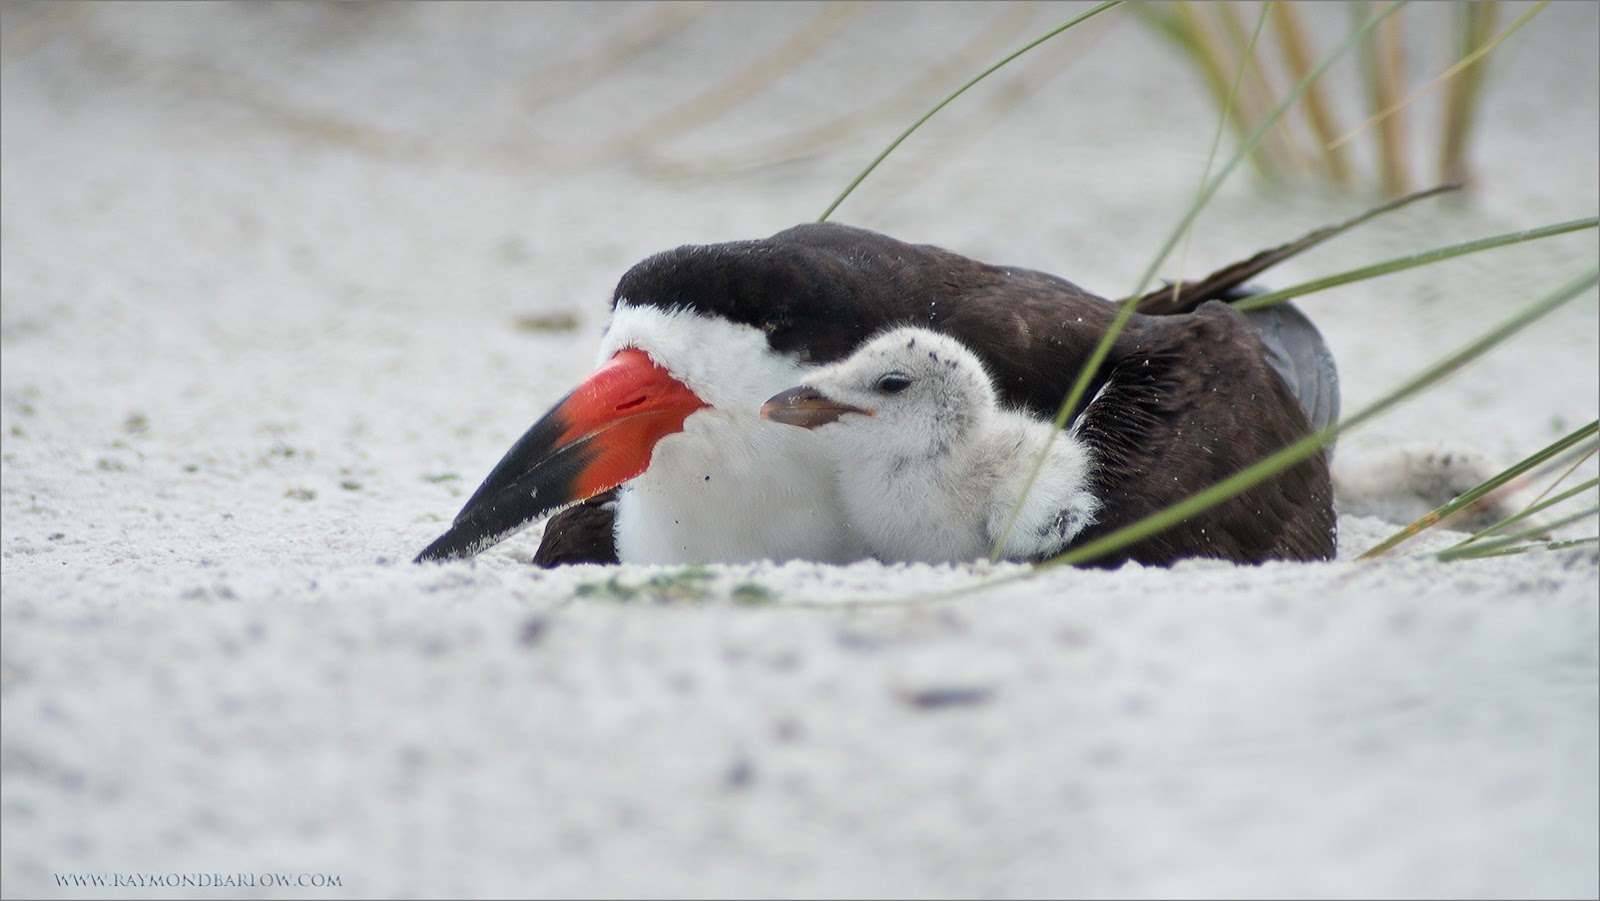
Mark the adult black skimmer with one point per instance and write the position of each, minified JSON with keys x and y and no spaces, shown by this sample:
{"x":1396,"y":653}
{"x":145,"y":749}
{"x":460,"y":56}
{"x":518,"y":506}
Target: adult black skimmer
{"x":929,"y":462}
{"x":701,"y":336}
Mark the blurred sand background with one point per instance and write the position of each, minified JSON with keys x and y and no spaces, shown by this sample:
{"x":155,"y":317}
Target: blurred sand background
{"x":282,"y":281}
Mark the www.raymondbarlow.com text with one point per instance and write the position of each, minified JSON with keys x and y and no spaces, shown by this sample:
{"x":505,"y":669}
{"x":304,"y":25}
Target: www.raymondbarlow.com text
{"x":198,"y":880}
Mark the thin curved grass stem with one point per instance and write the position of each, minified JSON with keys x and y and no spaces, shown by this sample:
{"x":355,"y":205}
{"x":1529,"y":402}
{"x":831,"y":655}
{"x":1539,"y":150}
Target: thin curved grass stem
{"x":1412,"y":261}
{"x":1593,"y":449}
{"x":1433,"y":517}
{"x":1545,"y":546}
{"x":1518,"y":517}
{"x":1061,"y":414}
{"x":850,"y":188}
{"x":1207,"y":191}
{"x":1459,"y":66}
{"x":1098,"y":356}
{"x":1488,"y":548}
{"x":1313,"y":443}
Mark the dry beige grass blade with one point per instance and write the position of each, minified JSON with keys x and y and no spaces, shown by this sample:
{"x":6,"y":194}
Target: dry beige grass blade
{"x":38,"y":23}
{"x":1259,"y":88}
{"x":999,"y":32}
{"x":1474,"y":21}
{"x":1208,"y":52}
{"x":530,"y":148}
{"x":1180,"y":24}
{"x":1194,"y":29}
{"x":1297,"y":57}
{"x":1384,"y":63}
{"x":1466,"y":100}
{"x":1185,"y":295}
{"x":730,"y":91}
{"x":655,"y":26}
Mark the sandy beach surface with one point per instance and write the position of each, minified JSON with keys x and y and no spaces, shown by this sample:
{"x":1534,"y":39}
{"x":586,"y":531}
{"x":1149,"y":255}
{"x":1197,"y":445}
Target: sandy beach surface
{"x":281,"y":282}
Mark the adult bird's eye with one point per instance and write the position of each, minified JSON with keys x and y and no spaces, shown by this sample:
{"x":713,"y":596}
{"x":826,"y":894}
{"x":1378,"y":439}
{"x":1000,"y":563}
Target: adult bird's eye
{"x":893,"y":383}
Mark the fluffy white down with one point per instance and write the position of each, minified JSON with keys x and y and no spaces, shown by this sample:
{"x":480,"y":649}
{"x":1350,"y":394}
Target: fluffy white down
{"x":731,"y":487}
{"x":934,"y":472}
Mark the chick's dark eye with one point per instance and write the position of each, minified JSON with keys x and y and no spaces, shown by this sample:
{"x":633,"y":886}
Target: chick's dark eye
{"x":893,"y":383}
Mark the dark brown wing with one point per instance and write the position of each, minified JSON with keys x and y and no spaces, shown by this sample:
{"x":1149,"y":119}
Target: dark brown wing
{"x":1191,"y":403}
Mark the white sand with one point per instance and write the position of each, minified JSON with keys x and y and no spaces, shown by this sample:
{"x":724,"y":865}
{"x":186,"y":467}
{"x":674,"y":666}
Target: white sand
{"x":262,"y":271}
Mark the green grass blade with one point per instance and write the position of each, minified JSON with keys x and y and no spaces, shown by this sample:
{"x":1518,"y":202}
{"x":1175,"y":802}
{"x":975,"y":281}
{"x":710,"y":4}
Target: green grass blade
{"x":1250,"y":143}
{"x":1578,"y":458}
{"x":1257,"y":89}
{"x":850,"y":188}
{"x":1234,"y":275}
{"x":1127,"y":309}
{"x":1524,"y":514}
{"x":1207,"y":191}
{"x":1412,"y":261}
{"x":1313,"y":443}
{"x":1543,"y":546}
{"x":1540,"y":531}
{"x":1432,"y":518}
{"x":1489,"y":548}
{"x":1232,"y":103}
{"x":1230,"y":106}
{"x":1539,"y":503}
{"x":1186,"y":30}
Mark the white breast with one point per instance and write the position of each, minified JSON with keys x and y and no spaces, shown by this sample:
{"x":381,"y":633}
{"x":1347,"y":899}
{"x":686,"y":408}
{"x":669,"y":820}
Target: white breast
{"x":730,"y":487}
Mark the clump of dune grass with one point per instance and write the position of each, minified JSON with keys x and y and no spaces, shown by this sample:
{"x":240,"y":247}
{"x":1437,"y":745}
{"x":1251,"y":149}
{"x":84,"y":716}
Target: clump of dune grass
{"x":1212,"y":35}
{"x":1483,"y":543}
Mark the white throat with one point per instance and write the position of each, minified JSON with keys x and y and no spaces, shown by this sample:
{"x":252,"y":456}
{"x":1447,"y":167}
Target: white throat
{"x":731,"y":487}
